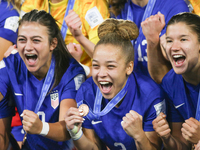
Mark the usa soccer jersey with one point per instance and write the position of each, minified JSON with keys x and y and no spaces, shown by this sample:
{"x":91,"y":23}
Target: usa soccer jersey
{"x":167,"y":8}
{"x":183,"y":95}
{"x":26,"y":92}
{"x":8,"y":21}
{"x":143,"y":96}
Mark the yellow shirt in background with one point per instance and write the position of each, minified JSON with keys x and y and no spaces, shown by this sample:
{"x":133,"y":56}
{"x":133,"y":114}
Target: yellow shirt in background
{"x":196,"y":6}
{"x":81,"y":7}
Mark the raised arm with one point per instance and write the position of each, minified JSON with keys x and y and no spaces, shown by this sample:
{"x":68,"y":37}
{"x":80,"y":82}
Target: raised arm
{"x":57,"y":131}
{"x":158,"y":66}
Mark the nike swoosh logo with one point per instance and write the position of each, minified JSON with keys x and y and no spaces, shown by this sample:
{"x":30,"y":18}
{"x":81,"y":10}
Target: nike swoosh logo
{"x":179,"y":105}
{"x":96,"y":122}
{"x":18,"y":94}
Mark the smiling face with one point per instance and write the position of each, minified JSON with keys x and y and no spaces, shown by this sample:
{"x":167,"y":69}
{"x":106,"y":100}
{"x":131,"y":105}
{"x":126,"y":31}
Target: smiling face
{"x":109,"y":69}
{"x":34,"y":48}
{"x":182,"y":48}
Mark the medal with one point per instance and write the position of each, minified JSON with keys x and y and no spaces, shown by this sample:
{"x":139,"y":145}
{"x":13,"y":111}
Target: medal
{"x":84,"y":108}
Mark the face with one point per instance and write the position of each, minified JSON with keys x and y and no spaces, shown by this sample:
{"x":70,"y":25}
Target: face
{"x":182,"y":48}
{"x":34,"y":48}
{"x":109,"y":70}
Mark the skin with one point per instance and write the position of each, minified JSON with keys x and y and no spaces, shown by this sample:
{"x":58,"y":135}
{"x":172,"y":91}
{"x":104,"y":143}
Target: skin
{"x":180,"y":39}
{"x":33,"y":39}
{"x":111,"y":67}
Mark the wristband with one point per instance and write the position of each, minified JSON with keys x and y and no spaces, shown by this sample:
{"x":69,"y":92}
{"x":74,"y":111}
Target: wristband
{"x":45,"y":129}
{"x":86,"y":69}
{"x":74,"y":133}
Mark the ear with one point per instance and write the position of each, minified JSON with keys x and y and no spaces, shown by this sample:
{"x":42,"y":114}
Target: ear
{"x":53,"y":44}
{"x":129,"y":68}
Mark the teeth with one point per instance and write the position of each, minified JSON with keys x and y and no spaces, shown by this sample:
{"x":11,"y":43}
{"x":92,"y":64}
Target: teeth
{"x":177,"y":56}
{"x":104,"y":83}
{"x":30,"y":54}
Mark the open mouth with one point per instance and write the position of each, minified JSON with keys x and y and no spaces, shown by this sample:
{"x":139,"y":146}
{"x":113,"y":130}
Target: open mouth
{"x":178,"y":59}
{"x":106,"y":86}
{"x":31,"y":58}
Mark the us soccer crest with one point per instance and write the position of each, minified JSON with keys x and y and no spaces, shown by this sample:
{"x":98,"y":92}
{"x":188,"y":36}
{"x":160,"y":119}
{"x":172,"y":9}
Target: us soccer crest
{"x":54,"y":100}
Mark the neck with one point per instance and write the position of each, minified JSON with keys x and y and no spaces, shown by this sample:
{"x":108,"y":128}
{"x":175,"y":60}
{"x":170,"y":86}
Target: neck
{"x":193,"y":77}
{"x":56,"y":1}
{"x":141,"y":3}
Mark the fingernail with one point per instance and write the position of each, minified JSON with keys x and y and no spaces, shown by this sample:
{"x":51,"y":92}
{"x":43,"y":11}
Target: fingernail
{"x":81,"y":114}
{"x":22,"y":115}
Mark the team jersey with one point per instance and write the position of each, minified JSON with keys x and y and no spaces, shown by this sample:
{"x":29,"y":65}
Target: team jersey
{"x":168,"y":9}
{"x":26,"y":89}
{"x":143,"y":96}
{"x":183,"y":95}
{"x":91,"y":13}
{"x":8,"y":21}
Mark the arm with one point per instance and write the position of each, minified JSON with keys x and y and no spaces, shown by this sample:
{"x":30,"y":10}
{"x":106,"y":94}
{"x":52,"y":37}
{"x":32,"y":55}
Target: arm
{"x":74,"y":24}
{"x":170,"y":133}
{"x":86,"y":141}
{"x":158,"y":66}
{"x":57,"y":131}
{"x":132,"y":125}
{"x":6,"y":44}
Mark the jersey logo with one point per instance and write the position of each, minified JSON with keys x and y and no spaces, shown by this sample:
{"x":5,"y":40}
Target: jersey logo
{"x":179,"y":105}
{"x":160,"y":107}
{"x":2,"y":64}
{"x":54,"y":100}
{"x":96,"y":122}
{"x":79,"y":79}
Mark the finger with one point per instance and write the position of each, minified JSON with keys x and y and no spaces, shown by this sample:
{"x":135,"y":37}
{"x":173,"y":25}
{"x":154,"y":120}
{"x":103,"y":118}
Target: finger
{"x":186,"y":132}
{"x":161,"y":17}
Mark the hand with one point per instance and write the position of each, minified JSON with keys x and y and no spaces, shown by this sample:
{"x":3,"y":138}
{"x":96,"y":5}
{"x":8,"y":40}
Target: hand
{"x":132,"y":124}
{"x":11,"y":50}
{"x":73,"y":117}
{"x":191,"y":130}
{"x":74,"y":24}
{"x":152,"y":27}
{"x":161,"y":126}
{"x":75,"y":50}
{"x":197,"y":147}
{"x":31,"y":122}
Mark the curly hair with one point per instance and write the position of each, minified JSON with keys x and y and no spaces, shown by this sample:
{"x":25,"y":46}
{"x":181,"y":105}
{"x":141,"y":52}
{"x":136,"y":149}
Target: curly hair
{"x":119,"y":33}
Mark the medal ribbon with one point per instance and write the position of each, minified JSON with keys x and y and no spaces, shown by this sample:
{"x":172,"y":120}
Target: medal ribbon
{"x":147,"y":13}
{"x":113,"y":102}
{"x":46,"y":85}
{"x":64,"y":27}
{"x":197,"y":116}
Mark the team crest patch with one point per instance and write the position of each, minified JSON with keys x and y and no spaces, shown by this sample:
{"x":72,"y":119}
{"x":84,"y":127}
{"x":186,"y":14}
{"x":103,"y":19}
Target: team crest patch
{"x":54,"y":100}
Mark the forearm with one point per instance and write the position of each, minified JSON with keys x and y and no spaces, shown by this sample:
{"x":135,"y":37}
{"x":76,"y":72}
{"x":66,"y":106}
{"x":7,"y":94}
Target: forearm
{"x":172,"y":143}
{"x":143,"y":143}
{"x":58,"y":131}
{"x":85,"y":144}
{"x":86,"y":44}
{"x":158,"y":66}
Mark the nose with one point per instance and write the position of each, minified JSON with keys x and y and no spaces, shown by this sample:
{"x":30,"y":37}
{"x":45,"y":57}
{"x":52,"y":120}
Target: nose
{"x":102,"y":72}
{"x":28,"y":45}
{"x":176,"y":45}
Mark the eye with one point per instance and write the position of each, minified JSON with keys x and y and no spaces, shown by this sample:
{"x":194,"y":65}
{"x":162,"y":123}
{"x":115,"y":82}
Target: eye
{"x":111,"y":66}
{"x":95,"y":65}
{"x":21,"y":39}
{"x":183,"y":39}
{"x":168,"y":41}
{"x":36,"y":40}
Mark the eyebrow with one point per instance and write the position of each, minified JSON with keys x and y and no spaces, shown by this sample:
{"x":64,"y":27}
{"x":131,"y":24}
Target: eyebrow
{"x":167,"y":37}
{"x":37,"y":36}
{"x":110,"y":61}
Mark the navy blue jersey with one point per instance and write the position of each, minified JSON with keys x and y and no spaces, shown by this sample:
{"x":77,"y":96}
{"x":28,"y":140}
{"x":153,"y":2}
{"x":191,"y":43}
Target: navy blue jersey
{"x":26,"y":95}
{"x":143,"y":96}
{"x":8,"y":21}
{"x":183,"y":95}
{"x":168,"y":8}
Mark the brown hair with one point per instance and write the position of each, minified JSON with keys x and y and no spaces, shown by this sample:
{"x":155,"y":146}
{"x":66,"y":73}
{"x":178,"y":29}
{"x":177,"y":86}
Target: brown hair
{"x":116,"y":6}
{"x":119,"y":33}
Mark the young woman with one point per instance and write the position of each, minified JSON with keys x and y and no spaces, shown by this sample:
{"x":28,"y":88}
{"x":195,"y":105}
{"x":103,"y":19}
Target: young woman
{"x":137,"y":11}
{"x":180,"y":83}
{"x":43,"y":79}
{"x":121,"y":104}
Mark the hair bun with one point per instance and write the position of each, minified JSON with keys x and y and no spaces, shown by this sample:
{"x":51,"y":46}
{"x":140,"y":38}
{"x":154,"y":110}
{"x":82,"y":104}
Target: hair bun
{"x":125,"y":29}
